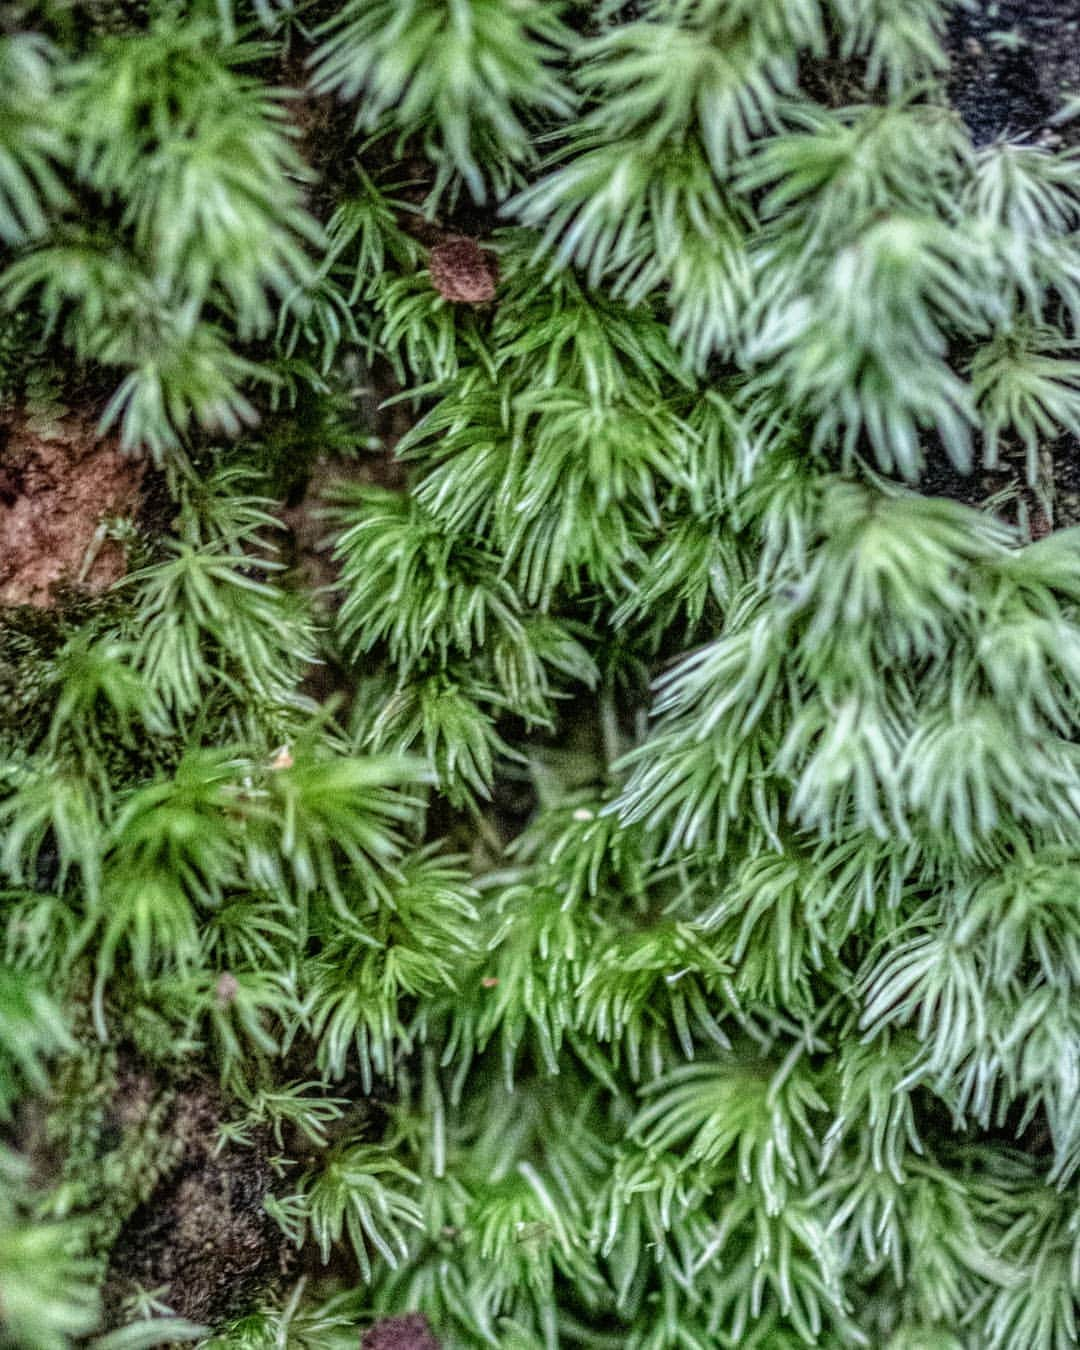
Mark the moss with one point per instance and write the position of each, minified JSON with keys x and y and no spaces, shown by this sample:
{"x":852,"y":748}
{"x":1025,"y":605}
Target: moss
{"x":638,"y":350}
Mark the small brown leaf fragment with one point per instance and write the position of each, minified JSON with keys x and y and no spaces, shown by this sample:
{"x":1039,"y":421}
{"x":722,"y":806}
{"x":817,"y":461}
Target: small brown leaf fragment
{"x":462,"y":272}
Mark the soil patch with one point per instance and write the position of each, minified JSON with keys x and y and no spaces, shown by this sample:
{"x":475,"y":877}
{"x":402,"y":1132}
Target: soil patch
{"x":1015,"y":62}
{"x":202,"y":1238}
{"x":462,"y":272}
{"x":59,"y":480}
{"x":411,"y":1332}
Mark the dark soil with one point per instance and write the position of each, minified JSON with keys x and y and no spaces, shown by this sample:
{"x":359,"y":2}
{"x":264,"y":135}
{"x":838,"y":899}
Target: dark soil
{"x":1014,"y":65}
{"x":202,"y":1240}
{"x":1015,"y":62}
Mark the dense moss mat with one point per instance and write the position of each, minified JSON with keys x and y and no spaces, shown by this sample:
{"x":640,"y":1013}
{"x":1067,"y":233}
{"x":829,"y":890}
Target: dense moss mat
{"x":539,"y":648}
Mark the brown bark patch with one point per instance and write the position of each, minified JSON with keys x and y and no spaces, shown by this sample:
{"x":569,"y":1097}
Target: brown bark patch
{"x":58,"y":482}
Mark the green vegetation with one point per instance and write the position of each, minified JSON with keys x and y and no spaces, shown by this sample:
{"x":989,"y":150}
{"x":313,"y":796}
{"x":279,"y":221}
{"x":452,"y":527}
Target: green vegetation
{"x":656,"y":927}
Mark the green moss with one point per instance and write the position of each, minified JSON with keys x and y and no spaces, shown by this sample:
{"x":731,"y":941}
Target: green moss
{"x":632,"y":902}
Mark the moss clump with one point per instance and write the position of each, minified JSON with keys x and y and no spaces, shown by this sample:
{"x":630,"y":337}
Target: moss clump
{"x":562,"y":829}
